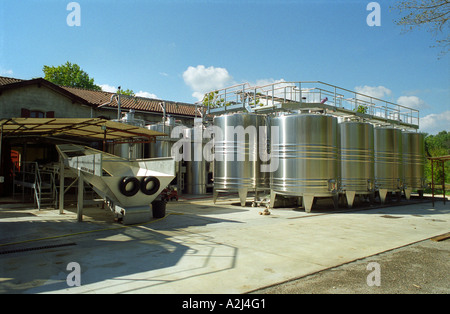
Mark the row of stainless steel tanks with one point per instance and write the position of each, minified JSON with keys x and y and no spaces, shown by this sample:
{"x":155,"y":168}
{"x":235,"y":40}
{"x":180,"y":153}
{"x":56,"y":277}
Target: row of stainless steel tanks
{"x":312,"y":155}
{"x":193,"y":173}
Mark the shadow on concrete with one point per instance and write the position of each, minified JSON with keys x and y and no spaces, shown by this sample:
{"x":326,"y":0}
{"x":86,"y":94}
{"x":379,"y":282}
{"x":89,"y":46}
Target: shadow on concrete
{"x":14,"y":213}
{"x":392,"y":205}
{"x":112,"y":257}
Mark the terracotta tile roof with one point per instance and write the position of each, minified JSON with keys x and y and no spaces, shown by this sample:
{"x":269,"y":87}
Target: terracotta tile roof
{"x":93,"y":97}
{"x":8,"y":80}
{"x":97,"y":98}
{"x":7,"y":83}
{"x":129,"y":102}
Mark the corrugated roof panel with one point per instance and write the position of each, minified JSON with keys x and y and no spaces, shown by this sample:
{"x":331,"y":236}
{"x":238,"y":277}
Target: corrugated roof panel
{"x":93,"y":128}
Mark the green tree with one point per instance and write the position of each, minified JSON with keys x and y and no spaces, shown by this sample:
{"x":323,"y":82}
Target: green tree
{"x":437,"y":145}
{"x":127,"y":92}
{"x":209,"y":99}
{"x":361,"y":109}
{"x":430,"y":14}
{"x":69,"y":75}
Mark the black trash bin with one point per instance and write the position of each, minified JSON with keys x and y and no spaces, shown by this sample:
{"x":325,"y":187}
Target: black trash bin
{"x":159,"y":209}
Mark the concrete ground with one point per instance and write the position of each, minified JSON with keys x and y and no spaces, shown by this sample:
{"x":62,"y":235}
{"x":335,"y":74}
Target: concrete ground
{"x":200,"y":247}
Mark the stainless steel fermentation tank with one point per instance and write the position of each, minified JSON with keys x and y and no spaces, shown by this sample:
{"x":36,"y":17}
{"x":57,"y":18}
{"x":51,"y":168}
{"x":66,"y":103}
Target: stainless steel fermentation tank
{"x":388,"y":161}
{"x":163,"y":145}
{"x":413,"y":162}
{"x":356,"y":159}
{"x":196,"y":165}
{"x":131,"y":151}
{"x":237,"y":163}
{"x":307,"y":152}
{"x":192,"y":170}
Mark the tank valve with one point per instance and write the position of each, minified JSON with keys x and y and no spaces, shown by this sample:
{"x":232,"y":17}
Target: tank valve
{"x":332,"y":186}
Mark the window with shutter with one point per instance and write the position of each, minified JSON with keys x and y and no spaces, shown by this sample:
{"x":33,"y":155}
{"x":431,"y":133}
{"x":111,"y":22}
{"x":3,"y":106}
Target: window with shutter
{"x":36,"y":114}
{"x":25,"y":113}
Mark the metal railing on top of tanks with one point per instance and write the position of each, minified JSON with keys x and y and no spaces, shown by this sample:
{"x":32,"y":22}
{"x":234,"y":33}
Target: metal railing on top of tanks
{"x":275,"y":95}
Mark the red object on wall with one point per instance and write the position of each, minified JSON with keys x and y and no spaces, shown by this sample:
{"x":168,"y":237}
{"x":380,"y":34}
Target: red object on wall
{"x":15,"y":159}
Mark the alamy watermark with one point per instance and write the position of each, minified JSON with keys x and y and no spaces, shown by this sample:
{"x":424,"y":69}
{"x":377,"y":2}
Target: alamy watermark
{"x":236,"y":144}
{"x":374,"y":17}
{"x":374,"y":278}
{"x":74,"y":17}
{"x":74,"y":277}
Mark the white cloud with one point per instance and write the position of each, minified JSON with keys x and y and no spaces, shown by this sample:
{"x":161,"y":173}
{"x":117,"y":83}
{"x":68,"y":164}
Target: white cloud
{"x":112,"y":89}
{"x":374,"y":91}
{"x":146,"y":95}
{"x":262,"y":82}
{"x":6,"y":72}
{"x":108,"y":88}
{"x":411,"y":102}
{"x":202,"y":80}
{"x":266,"y":86}
{"x":435,"y":122}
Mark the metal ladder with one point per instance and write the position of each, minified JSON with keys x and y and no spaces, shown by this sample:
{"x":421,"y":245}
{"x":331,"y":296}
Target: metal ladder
{"x":41,"y":183}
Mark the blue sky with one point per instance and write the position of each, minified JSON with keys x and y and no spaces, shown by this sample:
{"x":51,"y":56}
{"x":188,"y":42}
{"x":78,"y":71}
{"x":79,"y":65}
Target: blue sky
{"x":174,"y":49}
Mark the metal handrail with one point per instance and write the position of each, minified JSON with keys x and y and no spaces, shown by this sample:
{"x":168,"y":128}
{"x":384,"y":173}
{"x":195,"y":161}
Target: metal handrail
{"x":50,"y":178}
{"x":38,"y":186}
{"x":275,"y":94}
{"x":26,"y":177}
{"x":31,"y":176}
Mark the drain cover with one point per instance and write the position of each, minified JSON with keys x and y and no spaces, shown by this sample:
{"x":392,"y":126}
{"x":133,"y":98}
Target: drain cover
{"x":27,"y":249}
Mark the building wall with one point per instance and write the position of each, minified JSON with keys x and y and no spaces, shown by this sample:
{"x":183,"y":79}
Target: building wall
{"x":42,"y":99}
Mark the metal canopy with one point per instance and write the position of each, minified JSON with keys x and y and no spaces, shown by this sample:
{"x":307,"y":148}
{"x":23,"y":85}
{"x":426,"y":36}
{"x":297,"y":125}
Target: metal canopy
{"x":94,"y":128}
{"x":440,"y":158}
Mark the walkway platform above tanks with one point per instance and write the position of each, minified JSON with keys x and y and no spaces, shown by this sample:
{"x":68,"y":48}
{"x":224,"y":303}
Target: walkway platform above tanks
{"x":310,"y":96}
